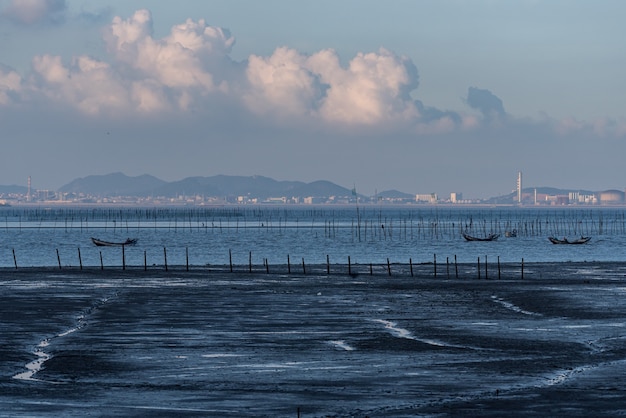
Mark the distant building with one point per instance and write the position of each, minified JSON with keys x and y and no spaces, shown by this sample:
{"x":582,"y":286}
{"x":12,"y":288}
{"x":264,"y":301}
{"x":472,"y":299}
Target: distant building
{"x":456,"y":197}
{"x":426,"y":198}
{"x":611,"y":197}
{"x":577,"y":197}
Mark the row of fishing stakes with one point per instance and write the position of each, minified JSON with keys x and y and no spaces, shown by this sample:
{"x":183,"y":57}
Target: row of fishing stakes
{"x":267,"y":266}
{"x":369,"y":224}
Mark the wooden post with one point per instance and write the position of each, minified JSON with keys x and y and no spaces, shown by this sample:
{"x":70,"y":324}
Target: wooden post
{"x":411,"y":266}
{"x":59,"y":259}
{"x":267,"y":266}
{"x":522,"y":269}
{"x":388,"y":267}
{"x":165,"y":257}
{"x":327,"y":264}
{"x":478,"y":269}
{"x":80,"y":260}
{"x":435,"y":264}
{"x":447,"y":267}
{"x":303,"y":267}
{"x":123,"y":257}
{"x":371,"y":270}
{"x":14,"y":259}
{"x":250,"y":261}
{"x":101,"y":263}
{"x":187,"y":257}
{"x":349,"y":266}
{"x":486,"y":274}
{"x":456,"y":267}
{"x":498,"y":267}
{"x":145,"y":261}
{"x":288,"y":264}
{"x":230,"y":259}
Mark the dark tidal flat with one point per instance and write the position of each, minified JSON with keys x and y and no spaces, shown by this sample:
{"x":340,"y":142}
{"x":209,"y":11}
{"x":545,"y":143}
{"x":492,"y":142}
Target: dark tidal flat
{"x":215,"y":343}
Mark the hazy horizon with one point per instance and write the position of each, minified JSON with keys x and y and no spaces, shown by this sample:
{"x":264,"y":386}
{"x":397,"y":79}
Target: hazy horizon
{"x":425,"y":97}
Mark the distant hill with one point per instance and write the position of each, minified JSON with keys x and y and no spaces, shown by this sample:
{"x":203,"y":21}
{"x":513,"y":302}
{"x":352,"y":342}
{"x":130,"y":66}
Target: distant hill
{"x":115,"y":184}
{"x":6,"y":190}
{"x":395,"y":194}
{"x":118,"y":184}
{"x":222,"y":185}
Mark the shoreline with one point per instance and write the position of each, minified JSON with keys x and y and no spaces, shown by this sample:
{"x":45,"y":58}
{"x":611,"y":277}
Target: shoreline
{"x":423,"y":270}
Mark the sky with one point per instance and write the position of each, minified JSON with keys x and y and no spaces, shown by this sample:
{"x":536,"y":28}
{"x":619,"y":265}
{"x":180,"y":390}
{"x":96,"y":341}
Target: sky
{"x":420,"y":96}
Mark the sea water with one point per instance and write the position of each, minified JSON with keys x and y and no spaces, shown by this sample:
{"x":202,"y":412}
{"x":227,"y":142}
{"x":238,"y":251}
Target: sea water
{"x":243,"y":235}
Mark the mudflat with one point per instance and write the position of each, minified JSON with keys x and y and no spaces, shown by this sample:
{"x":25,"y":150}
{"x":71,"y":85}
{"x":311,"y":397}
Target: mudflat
{"x":210,"y":342}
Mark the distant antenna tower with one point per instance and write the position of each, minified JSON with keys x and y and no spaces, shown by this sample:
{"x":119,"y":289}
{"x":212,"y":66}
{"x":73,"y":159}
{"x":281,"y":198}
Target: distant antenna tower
{"x":519,"y":187}
{"x":28,"y":195}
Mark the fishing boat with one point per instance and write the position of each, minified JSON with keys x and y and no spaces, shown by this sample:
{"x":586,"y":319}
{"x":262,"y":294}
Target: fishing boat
{"x":511,"y":234}
{"x":581,"y":240}
{"x":101,"y":243}
{"x":490,"y":237}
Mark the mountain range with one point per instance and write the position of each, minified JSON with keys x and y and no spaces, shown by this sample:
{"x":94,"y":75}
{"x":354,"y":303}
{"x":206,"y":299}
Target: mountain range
{"x":119,"y":184}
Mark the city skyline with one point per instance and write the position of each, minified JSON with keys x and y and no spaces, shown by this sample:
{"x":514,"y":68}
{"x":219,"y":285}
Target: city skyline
{"x":220,"y":189}
{"x":426,"y":96}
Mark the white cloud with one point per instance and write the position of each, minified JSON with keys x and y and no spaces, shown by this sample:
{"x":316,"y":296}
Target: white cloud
{"x":373,"y":89}
{"x":35,"y":11}
{"x":178,"y":61}
{"x":281,"y":84}
{"x":190,"y":69}
{"x":10,"y":84}
{"x":87,"y":84}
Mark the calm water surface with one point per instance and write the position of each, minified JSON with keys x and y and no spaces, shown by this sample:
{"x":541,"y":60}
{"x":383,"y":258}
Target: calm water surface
{"x":210,"y":236}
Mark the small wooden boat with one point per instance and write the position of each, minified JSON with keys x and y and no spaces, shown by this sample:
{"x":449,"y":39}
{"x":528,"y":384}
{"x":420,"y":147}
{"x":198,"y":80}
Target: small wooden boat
{"x":490,"y":237}
{"x":101,"y":243}
{"x":581,"y":240}
{"x":511,"y":234}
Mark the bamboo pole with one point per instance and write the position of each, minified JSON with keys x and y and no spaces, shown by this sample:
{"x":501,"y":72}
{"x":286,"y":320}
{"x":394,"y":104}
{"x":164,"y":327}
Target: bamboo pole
{"x":486,"y":273}
{"x":349,"y":266}
{"x":499,"y":268}
{"x":327,"y":264}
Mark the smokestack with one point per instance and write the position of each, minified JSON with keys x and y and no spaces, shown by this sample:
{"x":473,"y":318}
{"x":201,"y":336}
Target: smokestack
{"x":519,"y":187}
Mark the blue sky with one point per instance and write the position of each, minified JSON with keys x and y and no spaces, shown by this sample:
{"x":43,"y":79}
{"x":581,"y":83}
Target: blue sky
{"x":419,"y":96}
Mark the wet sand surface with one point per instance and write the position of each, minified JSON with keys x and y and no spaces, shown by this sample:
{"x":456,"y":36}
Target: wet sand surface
{"x":214,"y":343}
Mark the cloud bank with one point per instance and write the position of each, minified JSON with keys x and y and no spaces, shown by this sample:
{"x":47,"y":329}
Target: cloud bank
{"x":190,"y":69}
{"x":180,"y":104}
